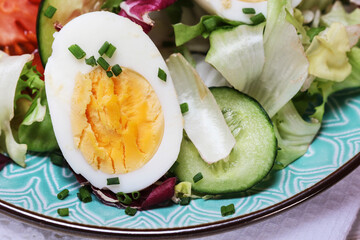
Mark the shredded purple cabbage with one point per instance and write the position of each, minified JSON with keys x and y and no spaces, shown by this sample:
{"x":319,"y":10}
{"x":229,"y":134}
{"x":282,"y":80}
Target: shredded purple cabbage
{"x":4,"y":160}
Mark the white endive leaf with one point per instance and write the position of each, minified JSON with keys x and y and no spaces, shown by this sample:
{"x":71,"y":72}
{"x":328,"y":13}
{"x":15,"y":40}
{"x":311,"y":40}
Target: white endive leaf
{"x":204,"y":123}
{"x":10,"y":70}
{"x":238,"y":54}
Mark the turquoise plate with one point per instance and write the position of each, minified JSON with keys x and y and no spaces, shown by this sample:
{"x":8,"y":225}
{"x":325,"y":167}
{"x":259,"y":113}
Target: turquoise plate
{"x":30,"y":193}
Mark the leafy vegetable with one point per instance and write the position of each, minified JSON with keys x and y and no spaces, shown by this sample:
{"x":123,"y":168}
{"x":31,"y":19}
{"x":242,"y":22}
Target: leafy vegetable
{"x":294,"y":135}
{"x":10,"y":69}
{"x":138,"y":10}
{"x":338,"y":14}
{"x":204,"y":122}
{"x":327,"y":54}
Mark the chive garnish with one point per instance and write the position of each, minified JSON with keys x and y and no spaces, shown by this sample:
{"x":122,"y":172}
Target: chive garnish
{"x":84,"y":195}
{"x":104,"y":48}
{"x":135,"y":195}
{"x":91,"y":61}
{"x":63,"y":194}
{"x":162,"y":74}
{"x":185,"y":201}
{"x":77,"y":51}
{"x":50,"y":11}
{"x":109,"y":74}
{"x":227,"y":210}
{"x":103,"y":63}
{"x":113,"y":181}
{"x":116,"y":69}
{"x":184,"y":107}
{"x":248,"y":11}
{"x":124,"y":198}
{"x":63,"y":212}
{"x":258,"y":18}
{"x":110,"y":51}
{"x":130,"y":211}
{"x":197,"y":177}
{"x":57,"y":158}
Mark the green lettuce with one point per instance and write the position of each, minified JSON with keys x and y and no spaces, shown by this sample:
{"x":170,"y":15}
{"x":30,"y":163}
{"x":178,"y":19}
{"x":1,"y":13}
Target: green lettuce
{"x":338,"y":14}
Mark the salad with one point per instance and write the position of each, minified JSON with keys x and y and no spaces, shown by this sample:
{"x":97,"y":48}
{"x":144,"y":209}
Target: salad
{"x":242,"y":91}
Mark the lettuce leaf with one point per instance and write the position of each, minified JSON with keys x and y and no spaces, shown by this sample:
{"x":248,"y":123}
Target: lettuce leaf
{"x":138,"y":11}
{"x":294,"y":135}
{"x":327,"y":54}
{"x":338,"y":14}
{"x":311,"y":4}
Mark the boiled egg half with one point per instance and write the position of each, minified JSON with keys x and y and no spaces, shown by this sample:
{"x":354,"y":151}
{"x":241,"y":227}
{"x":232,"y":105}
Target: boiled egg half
{"x":127,"y":126}
{"x":233,"y":9}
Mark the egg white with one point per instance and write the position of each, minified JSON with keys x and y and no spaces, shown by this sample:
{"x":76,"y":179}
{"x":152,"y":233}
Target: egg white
{"x":135,"y":51}
{"x":232,"y":9}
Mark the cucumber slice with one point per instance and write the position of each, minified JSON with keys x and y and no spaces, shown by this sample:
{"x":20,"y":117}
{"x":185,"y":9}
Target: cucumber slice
{"x":251,"y":158}
{"x":66,"y":10}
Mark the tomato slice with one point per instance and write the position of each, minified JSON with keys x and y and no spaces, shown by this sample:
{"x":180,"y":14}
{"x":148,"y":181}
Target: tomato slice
{"x":18,"y":26}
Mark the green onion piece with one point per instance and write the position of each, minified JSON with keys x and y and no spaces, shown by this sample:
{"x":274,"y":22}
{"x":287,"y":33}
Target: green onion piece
{"x":184,"y":107}
{"x":110,"y":51}
{"x":50,"y":11}
{"x":130,"y":211}
{"x":57,"y":158}
{"x":77,"y":51}
{"x":227,"y":210}
{"x":162,"y":74}
{"x":185,"y":201}
{"x":198,"y":177}
{"x":63,"y":212}
{"x":91,"y":61}
{"x":135,"y":195}
{"x":258,"y":18}
{"x":104,"y":48}
{"x":84,"y":195}
{"x":124,"y":198}
{"x":248,"y":11}
{"x":63,"y":194}
{"x":116,"y":69}
{"x":113,"y":181}
{"x":109,"y":74}
{"x":103,"y":63}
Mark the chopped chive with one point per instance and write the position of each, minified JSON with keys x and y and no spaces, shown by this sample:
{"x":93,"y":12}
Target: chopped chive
{"x":130,"y":211}
{"x":104,"y":48}
{"x":135,"y":195}
{"x":63,"y":212}
{"x":103,"y":63}
{"x":198,"y":177}
{"x":113,"y":181}
{"x":124,"y":198}
{"x":184,"y":107}
{"x":258,"y":18}
{"x":116,"y":69}
{"x":50,"y":11}
{"x":63,"y":194}
{"x":57,"y":158}
{"x":77,"y":51}
{"x":91,"y":61}
{"x":109,"y":74}
{"x":185,"y":201}
{"x":110,"y":51}
{"x":227,"y":210}
{"x":162,"y":74}
{"x":84,"y":195}
{"x":248,"y":11}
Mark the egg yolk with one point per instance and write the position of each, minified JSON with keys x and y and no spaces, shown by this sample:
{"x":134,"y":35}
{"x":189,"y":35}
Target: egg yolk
{"x":117,"y":122}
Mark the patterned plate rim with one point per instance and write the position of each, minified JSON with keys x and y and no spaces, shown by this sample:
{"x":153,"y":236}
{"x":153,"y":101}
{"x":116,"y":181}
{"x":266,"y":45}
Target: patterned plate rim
{"x":41,"y":220}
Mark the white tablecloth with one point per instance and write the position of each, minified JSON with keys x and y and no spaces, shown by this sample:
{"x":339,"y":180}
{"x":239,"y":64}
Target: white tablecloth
{"x":331,"y":215}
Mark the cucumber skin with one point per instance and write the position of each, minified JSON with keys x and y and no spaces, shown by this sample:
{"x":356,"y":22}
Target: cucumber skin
{"x":238,"y":173}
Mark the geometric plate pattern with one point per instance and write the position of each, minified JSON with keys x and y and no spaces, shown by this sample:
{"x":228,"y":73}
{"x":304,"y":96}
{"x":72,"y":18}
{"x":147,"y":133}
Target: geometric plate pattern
{"x":35,"y":187}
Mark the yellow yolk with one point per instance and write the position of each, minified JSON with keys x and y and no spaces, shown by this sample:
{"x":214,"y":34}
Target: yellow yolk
{"x":117,"y":122}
